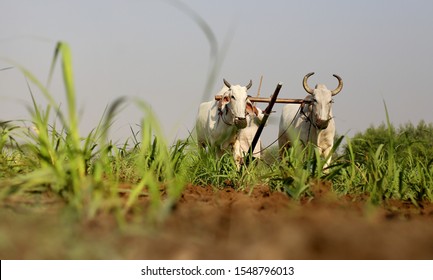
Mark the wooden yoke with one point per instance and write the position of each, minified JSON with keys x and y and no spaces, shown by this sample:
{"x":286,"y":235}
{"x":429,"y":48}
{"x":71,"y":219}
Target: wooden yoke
{"x":268,"y":100}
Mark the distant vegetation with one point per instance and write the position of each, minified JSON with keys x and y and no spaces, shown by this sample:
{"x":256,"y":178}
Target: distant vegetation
{"x":408,"y":140}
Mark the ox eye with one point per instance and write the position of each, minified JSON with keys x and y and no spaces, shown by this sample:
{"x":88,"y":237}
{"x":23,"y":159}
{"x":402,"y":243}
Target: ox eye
{"x":233,"y":97}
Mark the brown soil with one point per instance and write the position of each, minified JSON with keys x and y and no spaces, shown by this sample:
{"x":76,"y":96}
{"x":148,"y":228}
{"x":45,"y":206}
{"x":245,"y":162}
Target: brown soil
{"x":227,"y":224}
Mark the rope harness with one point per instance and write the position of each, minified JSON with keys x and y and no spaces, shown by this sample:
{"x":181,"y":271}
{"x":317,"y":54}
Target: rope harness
{"x":307,"y":118}
{"x":221,"y":115}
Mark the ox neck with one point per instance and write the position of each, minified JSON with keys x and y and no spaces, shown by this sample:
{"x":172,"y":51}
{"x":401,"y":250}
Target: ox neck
{"x":306,"y":110}
{"x":222,"y":115}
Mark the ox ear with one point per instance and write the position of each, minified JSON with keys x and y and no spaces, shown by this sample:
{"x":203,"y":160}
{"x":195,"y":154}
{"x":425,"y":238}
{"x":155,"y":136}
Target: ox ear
{"x":251,"y":109}
{"x":223,"y":101}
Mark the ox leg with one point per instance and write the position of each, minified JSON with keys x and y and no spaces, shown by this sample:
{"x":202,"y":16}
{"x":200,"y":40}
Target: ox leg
{"x":327,"y":156}
{"x":237,"y":154}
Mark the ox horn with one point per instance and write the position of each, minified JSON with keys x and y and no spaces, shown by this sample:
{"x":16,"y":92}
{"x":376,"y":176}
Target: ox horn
{"x":340,"y":85}
{"x":249,"y":84}
{"x":227,"y":83}
{"x":305,"y":83}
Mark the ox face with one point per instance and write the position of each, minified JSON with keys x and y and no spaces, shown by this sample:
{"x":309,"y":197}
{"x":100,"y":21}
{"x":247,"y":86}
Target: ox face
{"x":321,"y":102}
{"x":321,"y":106}
{"x":235,"y":100}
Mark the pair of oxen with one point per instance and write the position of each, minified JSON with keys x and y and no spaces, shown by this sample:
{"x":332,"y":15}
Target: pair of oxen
{"x":229,"y":124}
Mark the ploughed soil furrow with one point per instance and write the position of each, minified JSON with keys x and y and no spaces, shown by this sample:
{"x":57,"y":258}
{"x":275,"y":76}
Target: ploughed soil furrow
{"x":226,"y":224}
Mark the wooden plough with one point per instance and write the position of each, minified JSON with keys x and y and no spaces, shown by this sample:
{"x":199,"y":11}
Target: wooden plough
{"x":266,"y":114}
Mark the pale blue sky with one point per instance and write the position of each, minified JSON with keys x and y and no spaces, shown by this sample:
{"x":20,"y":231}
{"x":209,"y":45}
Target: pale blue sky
{"x":383,"y":50}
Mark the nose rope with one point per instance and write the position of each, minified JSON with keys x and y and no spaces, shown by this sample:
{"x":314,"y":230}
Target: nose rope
{"x":310,"y":120}
{"x":221,"y":116}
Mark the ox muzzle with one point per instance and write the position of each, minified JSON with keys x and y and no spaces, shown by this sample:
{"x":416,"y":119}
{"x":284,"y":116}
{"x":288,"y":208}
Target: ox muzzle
{"x":321,"y":124}
{"x":240,"y":123}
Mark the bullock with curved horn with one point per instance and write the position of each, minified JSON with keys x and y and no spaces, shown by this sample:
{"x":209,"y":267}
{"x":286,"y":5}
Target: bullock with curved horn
{"x":218,"y":122}
{"x":312,"y":121}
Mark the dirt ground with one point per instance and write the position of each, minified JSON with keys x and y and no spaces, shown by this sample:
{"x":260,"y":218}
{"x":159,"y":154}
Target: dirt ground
{"x":226,"y":224}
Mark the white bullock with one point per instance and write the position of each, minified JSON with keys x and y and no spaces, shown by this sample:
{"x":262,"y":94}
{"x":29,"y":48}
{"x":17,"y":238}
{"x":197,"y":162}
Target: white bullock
{"x":218,"y":122}
{"x":312,"y":121}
